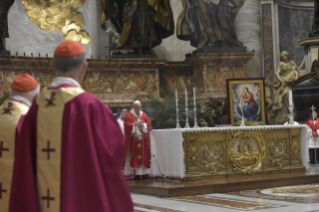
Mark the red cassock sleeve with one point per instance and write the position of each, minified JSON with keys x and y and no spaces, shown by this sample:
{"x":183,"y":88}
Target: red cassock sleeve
{"x":92,"y":157}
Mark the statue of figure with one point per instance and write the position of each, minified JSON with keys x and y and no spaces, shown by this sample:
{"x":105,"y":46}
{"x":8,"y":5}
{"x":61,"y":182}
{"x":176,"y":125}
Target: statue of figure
{"x":4,"y":32}
{"x":209,"y":22}
{"x":287,"y":73}
{"x":240,"y":155}
{"x":315,"y":24}
{"x":142,"y":24}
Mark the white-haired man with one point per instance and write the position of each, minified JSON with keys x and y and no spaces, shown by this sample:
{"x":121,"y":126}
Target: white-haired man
{"x":24,"y":89}
{"x":137,"y":126}
{"x":287,"y":123}
{"x":72,"y":154}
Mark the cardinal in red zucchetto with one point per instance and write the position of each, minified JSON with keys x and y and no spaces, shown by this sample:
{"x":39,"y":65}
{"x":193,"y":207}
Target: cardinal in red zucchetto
{"x":71,"y":153}
{"x":24,"y":90}
{"x":313,"y":141}
{"x":138,"y":146}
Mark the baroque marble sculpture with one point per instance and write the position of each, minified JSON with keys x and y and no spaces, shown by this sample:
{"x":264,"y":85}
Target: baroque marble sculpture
{"x":142,"y":24}
{"x":277,"y":91}
{"x":209,"y":23}
{"x":4,"y":33}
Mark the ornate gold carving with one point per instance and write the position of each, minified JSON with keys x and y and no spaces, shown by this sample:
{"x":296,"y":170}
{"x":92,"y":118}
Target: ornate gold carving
{"x":246,"y":159}
{"x":295,"y":149}
{"x":193,"y":153}
{"x":278,"y":155}
{"x":62,"y":15}
{"x":214,"y":154}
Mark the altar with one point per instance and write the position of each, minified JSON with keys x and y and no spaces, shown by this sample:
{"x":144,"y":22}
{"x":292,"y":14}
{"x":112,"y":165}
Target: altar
{"x":222,"y":152}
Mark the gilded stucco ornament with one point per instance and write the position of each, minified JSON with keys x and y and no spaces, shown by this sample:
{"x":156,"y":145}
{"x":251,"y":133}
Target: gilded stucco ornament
{"x":51,"y":15}
{"x":248,"y":156}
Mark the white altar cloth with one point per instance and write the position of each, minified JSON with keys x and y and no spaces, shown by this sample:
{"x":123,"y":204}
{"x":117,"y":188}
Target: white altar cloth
{"x":167,"y":146}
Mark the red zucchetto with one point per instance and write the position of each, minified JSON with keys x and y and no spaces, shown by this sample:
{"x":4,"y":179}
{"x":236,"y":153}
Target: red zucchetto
{"x":69,"y":49}
{"x":24,"y":83}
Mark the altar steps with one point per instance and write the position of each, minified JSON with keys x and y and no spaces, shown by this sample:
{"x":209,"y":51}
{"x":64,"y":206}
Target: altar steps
{"x":163,"y":188}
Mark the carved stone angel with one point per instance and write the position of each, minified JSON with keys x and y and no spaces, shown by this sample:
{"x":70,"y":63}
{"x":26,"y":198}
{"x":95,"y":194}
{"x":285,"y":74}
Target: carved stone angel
{"x":288,"y":72}
{"x":209,"y":22}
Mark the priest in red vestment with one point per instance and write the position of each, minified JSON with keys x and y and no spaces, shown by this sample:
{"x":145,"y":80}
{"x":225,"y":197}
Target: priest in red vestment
{"x":138,"y":145}
{"x":72,"y":150}
{"x":313,"y":140}
{"x":24,"y":89}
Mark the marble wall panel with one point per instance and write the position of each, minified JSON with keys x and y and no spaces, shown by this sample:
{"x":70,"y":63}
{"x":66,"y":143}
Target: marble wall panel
{"x":266,"y":15}
{"x":294,"y":25}
{"x":175,"y":75}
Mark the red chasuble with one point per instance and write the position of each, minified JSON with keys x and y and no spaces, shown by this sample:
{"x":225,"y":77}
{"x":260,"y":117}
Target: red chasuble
{"x":11,"y":119}
{"x":70,"y":157}
{"x":313,"y":127}
{"x":140,"y":148}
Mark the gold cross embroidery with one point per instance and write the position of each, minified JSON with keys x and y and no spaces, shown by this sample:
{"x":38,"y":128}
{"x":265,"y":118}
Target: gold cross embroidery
{"x":139,"y":145}
{"x":139,"y":157}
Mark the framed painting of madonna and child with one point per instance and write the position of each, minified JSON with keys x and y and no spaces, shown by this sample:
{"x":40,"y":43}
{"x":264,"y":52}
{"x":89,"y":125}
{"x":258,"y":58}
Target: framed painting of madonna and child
{"x":246,"y":97}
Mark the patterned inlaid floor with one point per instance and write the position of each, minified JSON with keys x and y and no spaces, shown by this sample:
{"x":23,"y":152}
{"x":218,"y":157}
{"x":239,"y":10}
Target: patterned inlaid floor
{"x":298,"y":194}
{"x":228,"y":202}
{"x":149,"y":208}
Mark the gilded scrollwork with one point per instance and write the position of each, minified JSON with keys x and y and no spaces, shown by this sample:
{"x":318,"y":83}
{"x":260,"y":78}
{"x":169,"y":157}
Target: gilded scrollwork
{"x":248,"y":156}
{"x":212,"y":157}
{"x":193,"y":153}
{"x":278,"y":152}
{"x":295,"y":149}
{"x":221,"y":153}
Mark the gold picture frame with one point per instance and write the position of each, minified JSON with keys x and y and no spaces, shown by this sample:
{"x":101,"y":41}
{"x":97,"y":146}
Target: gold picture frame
{"x":246,"y":96}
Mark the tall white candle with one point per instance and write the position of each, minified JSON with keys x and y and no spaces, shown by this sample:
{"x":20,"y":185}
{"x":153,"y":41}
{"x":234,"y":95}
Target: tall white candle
{"x":186,"y":97}
{"x":194,"y":95}
{"x":290,"y":97}
{"x":176,"y":98}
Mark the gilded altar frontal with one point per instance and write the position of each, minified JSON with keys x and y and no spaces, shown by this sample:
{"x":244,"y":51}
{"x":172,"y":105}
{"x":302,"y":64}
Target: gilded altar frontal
{"x":219,"y":154}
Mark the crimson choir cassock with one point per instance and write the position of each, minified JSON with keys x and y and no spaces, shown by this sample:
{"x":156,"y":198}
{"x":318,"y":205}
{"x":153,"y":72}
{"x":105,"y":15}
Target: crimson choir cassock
{"x":71,"y":155}
{"x":12,"y":114}
{"x":313,"y":140}
{"x":138,"y":147}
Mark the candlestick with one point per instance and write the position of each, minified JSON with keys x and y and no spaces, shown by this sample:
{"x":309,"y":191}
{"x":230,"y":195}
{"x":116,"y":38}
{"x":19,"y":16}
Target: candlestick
{"x":195,"y":109}
{"x":186,"y":110}
{"x":176,"y":98}
{"x":194,"y":96}
{"x":290,"y":97}
{"x":186,"y":122}
{"x":186,"y":104}
{"x":291,"y":120}
{"x":177,"y":116}
{"x":242,"y":115}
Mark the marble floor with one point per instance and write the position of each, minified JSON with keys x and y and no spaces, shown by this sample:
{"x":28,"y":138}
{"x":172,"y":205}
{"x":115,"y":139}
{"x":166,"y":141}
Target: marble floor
{"x":301,"y":198}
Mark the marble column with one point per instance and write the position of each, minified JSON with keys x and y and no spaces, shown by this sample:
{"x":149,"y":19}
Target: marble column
{"x":27,"y":38}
